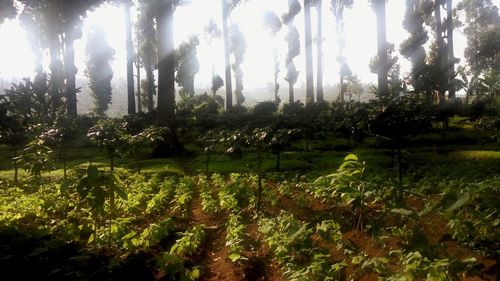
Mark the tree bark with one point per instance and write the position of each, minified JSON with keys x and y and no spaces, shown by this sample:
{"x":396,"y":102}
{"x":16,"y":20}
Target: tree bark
{"x":166,"y":67}
{"x":308,"y":50}
{"x":441,"y":52}
{"x":55,"y":73}
{"x":138,"y":81}
{"x":383,"y":87}
{"x":451,"y":56}
{"x":319,"y":81}
{"x":225,"y":34}
{"x":70,"y":69}
{"x":151,"y":87}
{"x":130,"y":59}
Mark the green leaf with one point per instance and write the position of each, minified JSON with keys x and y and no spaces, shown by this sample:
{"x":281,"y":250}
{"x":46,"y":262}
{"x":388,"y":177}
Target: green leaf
{"x":404,"y":212}
{"x":351,"y":157}
{"x":120,"y":191}
{"x":195,"y":273}
{"x":302,"y":228}
{"x":234,"y":257}
{"x":117,"y":179}
{"x":461,"y":201}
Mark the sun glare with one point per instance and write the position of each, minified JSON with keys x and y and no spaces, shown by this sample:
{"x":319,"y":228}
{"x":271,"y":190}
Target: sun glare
{"x":17,"y":59}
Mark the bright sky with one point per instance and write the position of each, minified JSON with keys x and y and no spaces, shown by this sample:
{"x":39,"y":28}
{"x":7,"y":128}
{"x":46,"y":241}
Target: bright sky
{"x":16,"y":58}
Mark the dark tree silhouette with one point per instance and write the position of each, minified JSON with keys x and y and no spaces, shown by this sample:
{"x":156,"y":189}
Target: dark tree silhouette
{"x":187,"y":64}
{"x":148,"y":48}
{"x":482,"y":29}
{"x":382,"y":48}
{"x":166,"y":63}
{"x":412,"y":48}
{"x":98,"y":71}
{"x":130,"y":58}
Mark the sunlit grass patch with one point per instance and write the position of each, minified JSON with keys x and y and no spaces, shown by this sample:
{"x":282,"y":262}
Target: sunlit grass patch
{"x":476,"y":154}
{"x":162,"y":165}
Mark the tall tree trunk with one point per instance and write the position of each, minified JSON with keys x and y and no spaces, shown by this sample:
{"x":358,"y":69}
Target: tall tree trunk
{"x":342,"y":88}
{"x":340,"y":39}
{"x":319,"y":81}
{"x":130,"y":59}
{"x":70,"y":69}
{"x":277,"y":99}
{"x":151,"y":87}
{"x":138,"y":81}
{"x":441,"y":52}
{"x":225,"y":35}
{"x":166,"y":66}
{"x":451,"y":56}
{"x":308,"y":49}
{"x":383,"y":87}
{"x":55,"y":72}
{"x":291,"y":95}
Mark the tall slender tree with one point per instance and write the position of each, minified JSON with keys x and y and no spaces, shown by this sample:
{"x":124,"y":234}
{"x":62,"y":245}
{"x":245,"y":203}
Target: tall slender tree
{"x":440,"y":63}
{"x":187,"y":64}
{"x":138,"y":65}
{"x":238,"y":49}
{"x":148,"y":47}
{"x":166,"y":63}
{"x":308,"y":50}
{"x":60,"y":25}
{"x":273,"y":23}
{"x":319,"y":72}
{"x":227,"y":60}
{"x":293,"y":41}
{"x":130,"y":58}
{"x":450,"y":47}
{"x":99,"y":56}
{"x":413,"y":47}
{"x":338,"y":7}
{"x":382,"y":48}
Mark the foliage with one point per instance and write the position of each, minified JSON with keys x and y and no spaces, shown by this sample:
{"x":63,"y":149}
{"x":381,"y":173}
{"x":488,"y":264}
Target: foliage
{"x":347,"y":183}
{"x":187,"y":64}
{"x":235,"y":237}
{"x":292,"y":245}
{"x":36,"y":158}
{"x":98,"y":71}
{"x":403,"y":117}
{"x":107,"y":134}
